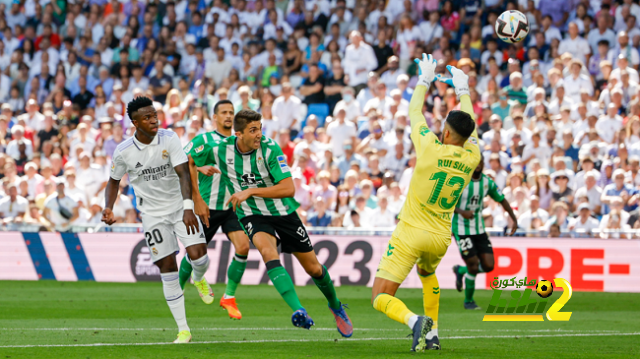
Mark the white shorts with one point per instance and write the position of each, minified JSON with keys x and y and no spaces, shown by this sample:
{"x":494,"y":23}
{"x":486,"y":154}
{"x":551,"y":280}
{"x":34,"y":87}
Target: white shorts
{"x":162,"y":233}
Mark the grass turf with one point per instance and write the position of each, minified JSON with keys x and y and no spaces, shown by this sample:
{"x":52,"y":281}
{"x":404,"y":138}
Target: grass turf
{"x":83,"y":313}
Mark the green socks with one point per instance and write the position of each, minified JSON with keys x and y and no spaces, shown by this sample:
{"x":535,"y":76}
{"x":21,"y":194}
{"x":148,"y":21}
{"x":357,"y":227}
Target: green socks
{"x":185,"y":271}
{"x":234,"y":274}
{"x":325,"y":284}
{"x":283,"y":283}
{"x":462,"y":270}
{"x":469,"y":287}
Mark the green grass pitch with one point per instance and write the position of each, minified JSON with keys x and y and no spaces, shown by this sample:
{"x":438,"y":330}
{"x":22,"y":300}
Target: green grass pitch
{"x":115,"y":320}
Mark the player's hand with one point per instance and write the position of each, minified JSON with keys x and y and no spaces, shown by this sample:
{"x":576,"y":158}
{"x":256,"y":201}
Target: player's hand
{"x":459,"y":80}
{"x":238,"y":198}
{"x":515,"y":227}
{"x":190,"y":221}
{"x":427,"y":69}
{"x":208,"y":170}
{"x":108,"y":217}
{"x":201,"y":210}
{"x":467,"y":214}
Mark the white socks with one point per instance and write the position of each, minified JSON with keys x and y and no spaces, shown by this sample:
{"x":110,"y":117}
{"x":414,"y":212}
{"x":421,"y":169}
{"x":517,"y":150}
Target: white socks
{"x":412,"y":321}
{"x":200,"y":267}
{"x":175,"y":298}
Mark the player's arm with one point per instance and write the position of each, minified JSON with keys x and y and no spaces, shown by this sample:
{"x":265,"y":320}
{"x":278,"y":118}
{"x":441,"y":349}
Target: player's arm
{"x":460,"y":82}
{"x":463,"y":213}
{"x":200,"y":206}
{"x":180,"y":163}
{"x":118,"y":169}
{"x":281,"y":174}
{"x":496,"y":195}
{"x":426,"y":68}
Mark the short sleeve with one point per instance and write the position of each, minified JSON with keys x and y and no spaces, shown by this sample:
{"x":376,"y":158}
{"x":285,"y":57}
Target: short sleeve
{"x":118,"y":166}
{"x":278,"y":166}
{"x":176,"y":154}
{"x":199,"y":151}
{"x":494,"y":192}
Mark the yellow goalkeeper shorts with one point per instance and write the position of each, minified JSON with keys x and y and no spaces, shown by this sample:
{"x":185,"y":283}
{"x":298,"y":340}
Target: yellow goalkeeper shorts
{"x":409,"y":246}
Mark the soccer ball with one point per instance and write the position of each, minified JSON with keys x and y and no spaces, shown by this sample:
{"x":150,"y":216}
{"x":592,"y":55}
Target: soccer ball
{"x":512,"y":26}
{"x":544,"y":288}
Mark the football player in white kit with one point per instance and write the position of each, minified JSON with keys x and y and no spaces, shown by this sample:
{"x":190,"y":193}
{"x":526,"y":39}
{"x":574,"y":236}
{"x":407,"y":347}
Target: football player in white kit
{"x":158,"y":170}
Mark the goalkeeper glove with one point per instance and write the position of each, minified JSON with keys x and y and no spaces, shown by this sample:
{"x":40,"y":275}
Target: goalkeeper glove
{"x":427,"y":70}
{"x":459,"y":80}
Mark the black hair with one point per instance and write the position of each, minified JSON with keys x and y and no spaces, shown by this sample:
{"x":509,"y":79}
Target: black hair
{"x":136,"y":104}
{"x":243,"y":118}
{"x":461,"y":123}
{"x":221,"y":102}
{"x":603,"y":42}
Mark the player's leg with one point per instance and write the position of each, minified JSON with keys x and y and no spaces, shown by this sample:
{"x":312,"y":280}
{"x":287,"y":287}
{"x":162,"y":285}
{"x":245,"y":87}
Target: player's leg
{"x":196,"y":246}
{"x":163,"y":245}
{"x":396,"y":263}
{"x":436,"y":247}
{"x":235,"y":271}
{"x":185,"y":266}
{"x":481,"y":262}
{"x":466,"y":275}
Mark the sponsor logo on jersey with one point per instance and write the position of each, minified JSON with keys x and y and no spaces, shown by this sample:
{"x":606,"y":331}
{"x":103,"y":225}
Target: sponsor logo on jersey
{"x":473,"y":140}
{"x":249,"y":179}
{"x":188,"y":148}
{"x":260,"y":161}
{"x":199,"y":148}
{"x":424,"y":130}
{"x":165,"y":154}
{"x":138,"y":165}
{"x":155,"y":173}
{"x":230,"y":161}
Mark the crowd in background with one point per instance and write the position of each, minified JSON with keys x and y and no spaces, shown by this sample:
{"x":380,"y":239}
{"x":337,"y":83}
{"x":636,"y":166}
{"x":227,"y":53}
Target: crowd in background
{"x":557,"y":112}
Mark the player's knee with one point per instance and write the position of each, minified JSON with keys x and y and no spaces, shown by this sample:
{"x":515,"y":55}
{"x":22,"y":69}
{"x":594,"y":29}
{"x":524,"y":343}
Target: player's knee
{"x":314,"y":270}
{"x":472,"y":267}
{"x":197,"y":251}
{"x":166,"y":265}
{"x":487,"y":267}
{"x":242,"y":248}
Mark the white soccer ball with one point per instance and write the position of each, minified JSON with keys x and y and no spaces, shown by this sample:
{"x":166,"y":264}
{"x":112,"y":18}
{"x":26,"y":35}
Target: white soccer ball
{"x":512,"y":26}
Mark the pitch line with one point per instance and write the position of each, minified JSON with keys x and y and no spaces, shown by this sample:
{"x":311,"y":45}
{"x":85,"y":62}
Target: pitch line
{"x":309,"y":340}
{"x":314,"y":329}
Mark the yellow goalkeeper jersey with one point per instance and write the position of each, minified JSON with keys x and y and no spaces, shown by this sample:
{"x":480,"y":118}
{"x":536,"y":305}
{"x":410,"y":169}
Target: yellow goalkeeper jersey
{"x":441,"y":172}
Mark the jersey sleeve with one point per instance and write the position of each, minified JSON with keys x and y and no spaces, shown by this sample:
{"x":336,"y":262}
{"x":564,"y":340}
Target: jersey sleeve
{"x":200,"y":151}
{"x":277,"y":162}
{"x":494,"y":192}
{"x":176,"y":154}
{"x":118,"y":166}
{"x":421,"y":134}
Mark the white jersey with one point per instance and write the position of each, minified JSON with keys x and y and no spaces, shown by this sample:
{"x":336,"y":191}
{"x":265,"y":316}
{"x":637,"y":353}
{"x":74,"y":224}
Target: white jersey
{"x":151,"y":171}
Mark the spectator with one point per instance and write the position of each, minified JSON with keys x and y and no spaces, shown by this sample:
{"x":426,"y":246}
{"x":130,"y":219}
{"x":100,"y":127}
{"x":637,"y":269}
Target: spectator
{"x":382,"y":216}
{"x":13,"y":207}
{"x":320,"y":217}
{"x":60,"y":209}
{"x":359,"y":59}
{"x":583,"y":223}
{"x":286,"y":110}
{"x":618,"y":190}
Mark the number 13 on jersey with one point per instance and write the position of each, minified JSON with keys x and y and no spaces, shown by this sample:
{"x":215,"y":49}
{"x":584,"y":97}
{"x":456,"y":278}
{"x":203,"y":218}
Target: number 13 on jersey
{"x":441,"y":179}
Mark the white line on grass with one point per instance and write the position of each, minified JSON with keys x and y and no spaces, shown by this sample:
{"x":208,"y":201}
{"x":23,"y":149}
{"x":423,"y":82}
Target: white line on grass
{"x":307,"y":340}
{"x":315,"y":328}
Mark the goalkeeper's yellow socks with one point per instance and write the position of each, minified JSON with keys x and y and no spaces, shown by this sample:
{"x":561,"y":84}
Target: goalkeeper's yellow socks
{"x":395,"y":309}
{"x":431,"y":297}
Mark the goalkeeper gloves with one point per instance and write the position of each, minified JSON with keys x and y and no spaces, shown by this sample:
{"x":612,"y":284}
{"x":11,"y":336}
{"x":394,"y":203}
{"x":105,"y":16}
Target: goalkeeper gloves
{"x":427,"y":69}
{"x":459,"y":80}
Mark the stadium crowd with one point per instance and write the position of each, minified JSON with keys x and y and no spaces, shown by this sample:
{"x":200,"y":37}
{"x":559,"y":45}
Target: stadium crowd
{"x":557,"y":113}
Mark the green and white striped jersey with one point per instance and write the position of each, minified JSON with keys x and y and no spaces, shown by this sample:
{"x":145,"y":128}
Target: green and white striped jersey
{"x":259,"y":168}
{"x":211,"y":188}
{"x":471,"y":200}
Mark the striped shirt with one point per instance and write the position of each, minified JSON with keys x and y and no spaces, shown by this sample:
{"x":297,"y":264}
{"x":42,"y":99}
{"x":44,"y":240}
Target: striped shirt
{"x":260,"y":168}
{"x":210,"y":187}
{"x":471,"y":200}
